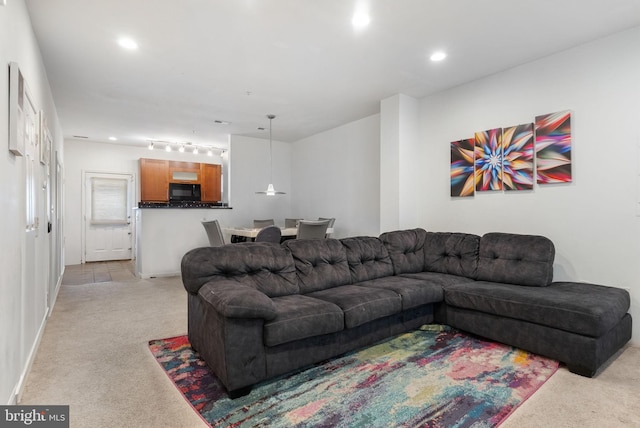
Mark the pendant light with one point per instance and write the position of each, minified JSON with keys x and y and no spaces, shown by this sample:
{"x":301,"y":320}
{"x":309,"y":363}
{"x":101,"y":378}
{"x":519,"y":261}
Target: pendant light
{"x":270,"y":189}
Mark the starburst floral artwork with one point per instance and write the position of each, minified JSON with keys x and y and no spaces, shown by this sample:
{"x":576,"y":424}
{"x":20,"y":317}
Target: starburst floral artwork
{"x":462,"y":183}
{"x":517,"y":157}
{"x":488,"y":160}
{"x":553,"y":147}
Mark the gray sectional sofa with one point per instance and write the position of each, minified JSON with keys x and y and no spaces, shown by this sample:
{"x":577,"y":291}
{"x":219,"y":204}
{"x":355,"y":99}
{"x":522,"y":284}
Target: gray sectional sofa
{"x":260,"y":310}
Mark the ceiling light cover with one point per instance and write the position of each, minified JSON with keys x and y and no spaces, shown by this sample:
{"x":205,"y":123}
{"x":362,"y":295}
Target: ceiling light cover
{"x":438,"y":56}
{"x":360,"y":19}
{"x":127,"y":43}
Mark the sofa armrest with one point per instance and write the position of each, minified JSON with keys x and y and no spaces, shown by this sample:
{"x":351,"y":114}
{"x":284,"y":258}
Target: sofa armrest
{"x":234,"y":300}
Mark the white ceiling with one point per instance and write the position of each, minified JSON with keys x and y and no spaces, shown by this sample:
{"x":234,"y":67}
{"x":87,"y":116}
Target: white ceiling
{"x":238,"y":60}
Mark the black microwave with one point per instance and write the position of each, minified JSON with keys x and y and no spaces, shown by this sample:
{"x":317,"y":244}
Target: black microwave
{"x":183,"y":192}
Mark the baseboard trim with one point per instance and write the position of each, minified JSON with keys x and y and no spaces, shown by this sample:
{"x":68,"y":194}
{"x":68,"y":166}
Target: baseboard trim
{"x":55,"y":294}
{"x":19,"y":389}
{"x":157,"y":275}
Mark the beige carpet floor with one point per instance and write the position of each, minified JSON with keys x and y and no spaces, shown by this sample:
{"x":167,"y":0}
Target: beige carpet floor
{"x":94,"y":357}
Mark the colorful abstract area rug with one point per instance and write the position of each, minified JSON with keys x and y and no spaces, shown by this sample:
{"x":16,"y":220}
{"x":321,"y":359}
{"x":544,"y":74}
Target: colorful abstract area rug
{"x":432,"y":377}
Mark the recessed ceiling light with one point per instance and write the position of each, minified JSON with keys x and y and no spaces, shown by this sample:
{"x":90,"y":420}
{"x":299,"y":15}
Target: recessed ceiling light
{"x":113,"y":139}
{"x":360,"y":19}
{"x":438,"y":56}
{"x":127,"y":43}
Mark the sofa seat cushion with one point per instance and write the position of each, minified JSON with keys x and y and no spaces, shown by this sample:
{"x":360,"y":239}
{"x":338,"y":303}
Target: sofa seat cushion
{"x":586,"y":309}
{"x":413,"y":292}
{"x":439,"y":279}
{"x":361,"y":304}
{"x":299,"y":317}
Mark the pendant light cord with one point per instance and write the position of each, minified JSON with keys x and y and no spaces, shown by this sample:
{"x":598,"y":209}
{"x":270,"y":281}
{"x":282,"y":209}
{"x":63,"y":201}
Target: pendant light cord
{"x":270,"y":117}
{"x":270,"y":150}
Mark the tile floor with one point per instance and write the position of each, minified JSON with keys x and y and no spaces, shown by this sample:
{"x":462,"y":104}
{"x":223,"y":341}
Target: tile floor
{"x":95,"y":272}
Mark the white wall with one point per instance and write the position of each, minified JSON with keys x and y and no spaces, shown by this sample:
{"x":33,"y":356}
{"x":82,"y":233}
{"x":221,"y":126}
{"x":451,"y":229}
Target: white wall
{"x":337,"y":174}
{"x":23,"y":304}
{"x":250,"y":173}
{"x":399,"y":127}
{"x":592,"y":221}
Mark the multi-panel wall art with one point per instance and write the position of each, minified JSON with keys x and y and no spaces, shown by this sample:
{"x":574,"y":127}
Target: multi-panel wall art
{"x":510,"y":158}
{"x":488,"y":160}
{"x":517,"y":157}
{"x":462,"y":180}
{"x":553,"y":147}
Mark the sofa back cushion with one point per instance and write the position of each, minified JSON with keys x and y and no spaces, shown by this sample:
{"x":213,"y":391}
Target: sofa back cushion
{"x":368,"y":258}
{"x":452,"y":253}
{"x":320,"y":263}
{"x":516,"y":259}
{"x":266,"y":267}
{"x":406,"y":249}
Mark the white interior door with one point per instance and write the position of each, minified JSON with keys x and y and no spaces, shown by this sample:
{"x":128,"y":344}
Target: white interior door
{"x":30,"y":288}
{"x":107,"y":216}
{"x":56,"y":261}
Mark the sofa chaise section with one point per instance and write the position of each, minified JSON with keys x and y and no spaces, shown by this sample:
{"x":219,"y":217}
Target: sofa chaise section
{"x":511,"y":297}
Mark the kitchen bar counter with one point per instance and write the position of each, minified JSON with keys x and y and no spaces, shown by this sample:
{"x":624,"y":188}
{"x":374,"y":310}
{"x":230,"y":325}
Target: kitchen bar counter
{"x":155,"y":205}
{"x":164,"y":235}
{"x":252,"y":232}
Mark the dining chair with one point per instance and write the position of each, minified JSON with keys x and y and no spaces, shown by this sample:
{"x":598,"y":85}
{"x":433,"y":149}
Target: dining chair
{"x":214,"y":233}
{"x":312,"y":229}
{"x":291,"y":222}
{"x":259,"y":224}
{"x":332,"y":221}
{"x":269,"y":234}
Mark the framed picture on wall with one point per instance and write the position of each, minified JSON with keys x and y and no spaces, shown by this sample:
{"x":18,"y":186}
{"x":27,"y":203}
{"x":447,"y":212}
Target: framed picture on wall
{"x":45,"y":140}
{"x":16,"y":110}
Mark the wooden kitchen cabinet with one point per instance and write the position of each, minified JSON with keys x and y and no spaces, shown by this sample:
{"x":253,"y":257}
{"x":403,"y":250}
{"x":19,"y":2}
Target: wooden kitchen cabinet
{"x":154,"y":180}
{"x":156,"y":174}
{"x":211,"y":175}
{"x":184,"y":172}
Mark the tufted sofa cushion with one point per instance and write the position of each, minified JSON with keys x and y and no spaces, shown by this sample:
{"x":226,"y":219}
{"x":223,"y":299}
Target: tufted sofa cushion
{"x":451,"y":253}
{"x":320,"y":263}
{"x":406,"y":249}
{"x":368,"y":258}
{"x":516,"y":259}
{"x":266,"y":267}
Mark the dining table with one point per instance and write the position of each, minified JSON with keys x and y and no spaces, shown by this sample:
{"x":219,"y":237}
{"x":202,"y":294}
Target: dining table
{"x":252,"y":232}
